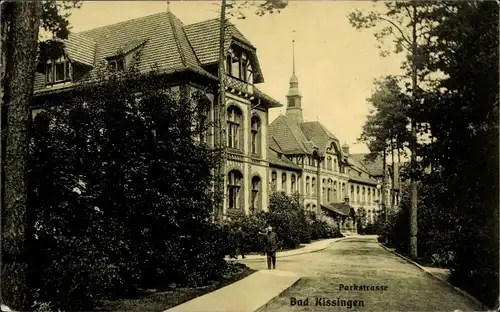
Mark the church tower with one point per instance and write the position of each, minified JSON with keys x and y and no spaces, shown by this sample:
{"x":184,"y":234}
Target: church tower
{"x":294,"y":98}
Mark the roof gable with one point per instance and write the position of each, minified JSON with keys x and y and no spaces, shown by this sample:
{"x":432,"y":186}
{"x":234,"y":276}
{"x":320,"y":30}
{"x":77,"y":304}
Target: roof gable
{"x":317,"y":133}
{"x":288,"y":135}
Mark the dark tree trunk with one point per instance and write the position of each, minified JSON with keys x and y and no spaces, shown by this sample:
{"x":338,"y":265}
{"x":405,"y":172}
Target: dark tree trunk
{"x":20,"y":55}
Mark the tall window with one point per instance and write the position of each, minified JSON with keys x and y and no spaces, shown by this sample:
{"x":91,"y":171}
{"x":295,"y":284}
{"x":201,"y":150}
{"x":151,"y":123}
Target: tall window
{"x":335,"y":168}
{"x":293,"y":183}
{"x":273,"y":180}
{"x":239,"y":66}
{"x":323,"y":195}
{"x":335,"y":191}
{"x":329,"y":195}
{"x":255,"y":136}
{"x":369,"y":196}
{"x":233,"y":127}
{"x":364,"y":198}
{"x":352,"y":193}
{"x":308,"y":189}
{"x":283,"y":182}
{"x":255,"y":193}
{"x":234,"y":189}
{"x":358,"y":194}
{"x":329,"y":163}
{"x":57,"y":70}
{"x":313,"y":185}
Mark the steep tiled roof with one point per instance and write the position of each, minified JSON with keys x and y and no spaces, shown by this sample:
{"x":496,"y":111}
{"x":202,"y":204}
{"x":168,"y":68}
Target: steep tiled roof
{"x":204,"y":37}
{"x":282,"y":161}
{"x":81,"y":49}
{"x":354,"y":176}
{"x":288,"y":135}
{"x":317,"y":133}
{"x":163,"y":41}
{"x":375,"y":166}
{"x":167,"y":45}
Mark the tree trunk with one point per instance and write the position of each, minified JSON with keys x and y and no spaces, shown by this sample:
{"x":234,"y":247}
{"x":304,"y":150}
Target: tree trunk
{"x":413,"y":147}
{"x":393,"y":191}
{"x":384,"y":177}
{"x":21,"y":50}
{"x":222,"y":113}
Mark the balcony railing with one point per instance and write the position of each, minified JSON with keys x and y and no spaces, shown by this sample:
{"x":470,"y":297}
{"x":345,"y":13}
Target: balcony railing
{"x":238,"y":85}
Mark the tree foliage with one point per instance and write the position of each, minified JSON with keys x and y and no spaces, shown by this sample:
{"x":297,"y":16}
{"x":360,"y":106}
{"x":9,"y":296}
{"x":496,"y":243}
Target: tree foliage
{"x":388,"y":119}
{"x":459,"y":109}
{"x":121,"y":187}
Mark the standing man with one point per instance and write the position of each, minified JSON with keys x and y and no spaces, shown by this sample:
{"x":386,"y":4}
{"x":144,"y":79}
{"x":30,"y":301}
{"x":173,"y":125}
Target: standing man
{"x":271,"y":245}
{"x":240,"y":242}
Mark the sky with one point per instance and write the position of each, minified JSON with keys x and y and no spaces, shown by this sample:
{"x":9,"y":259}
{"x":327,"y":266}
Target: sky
{"x":336,"y":64}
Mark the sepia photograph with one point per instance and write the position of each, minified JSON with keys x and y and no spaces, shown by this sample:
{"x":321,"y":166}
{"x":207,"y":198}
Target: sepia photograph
{"x":249,"y":155}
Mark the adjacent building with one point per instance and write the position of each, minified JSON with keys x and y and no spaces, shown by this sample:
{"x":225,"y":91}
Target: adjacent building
{"x":288,"y":154}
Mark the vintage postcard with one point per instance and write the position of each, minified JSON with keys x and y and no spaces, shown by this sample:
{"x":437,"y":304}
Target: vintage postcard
{"x":244,"y":156}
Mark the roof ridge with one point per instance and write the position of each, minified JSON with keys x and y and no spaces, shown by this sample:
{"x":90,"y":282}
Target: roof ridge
{"x":301,"y":146}
{"x":176,"y":38}
{"x":120,"y":23}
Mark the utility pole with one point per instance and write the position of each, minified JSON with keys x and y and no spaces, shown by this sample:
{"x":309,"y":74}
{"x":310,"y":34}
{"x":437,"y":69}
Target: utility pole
{"x":222,"y":112}
{"x":413,"y":160}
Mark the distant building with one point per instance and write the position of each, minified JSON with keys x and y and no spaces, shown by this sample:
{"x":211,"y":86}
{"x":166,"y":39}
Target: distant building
{"x":288,"y":155}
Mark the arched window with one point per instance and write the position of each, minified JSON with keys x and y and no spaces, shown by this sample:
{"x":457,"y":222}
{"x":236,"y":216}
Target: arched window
{"x":308,"y":189}
{"x":364,"y":197}
{"x":314,"y":208}
{"x":352,"y":193}
{"x":358,"y":195}
{"x":378,"y":195}
{"x":335,"y":167}
{"x":329,"y":163}
{"x":373,"y":195}
{"x":313,"y":186}
{"x":335,"y":199}
{"x":293,"y":183}
{"x":256,"y":193}
{"x":329,"y":195}
{"x":323,"y":195}
{"x":274,"y":177}
{"x":369,"y":196}
{"x":283,"y":182}
{"x":343,"y":191}
{"x":234,"y":124}
{"x":308,"y":207}
{"x":234,"y":180}
{"x":255,"y":135}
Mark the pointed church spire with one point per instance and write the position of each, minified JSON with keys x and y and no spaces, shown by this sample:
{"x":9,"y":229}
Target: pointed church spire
{"x":294,"y":107}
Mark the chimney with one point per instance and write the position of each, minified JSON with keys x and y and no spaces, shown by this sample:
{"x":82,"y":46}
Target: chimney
{"x":345,"y":149}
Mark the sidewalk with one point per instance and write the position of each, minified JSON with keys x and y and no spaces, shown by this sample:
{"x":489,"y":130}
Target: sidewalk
{"x":247,"y":295}
{"x":440,"y":274}
{"x":308,"y":248}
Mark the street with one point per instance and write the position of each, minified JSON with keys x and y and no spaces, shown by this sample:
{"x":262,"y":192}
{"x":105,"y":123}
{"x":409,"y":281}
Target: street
{"x":392,"y":284}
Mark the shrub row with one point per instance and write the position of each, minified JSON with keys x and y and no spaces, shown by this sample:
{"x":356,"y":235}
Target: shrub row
{"x":287,"y":217}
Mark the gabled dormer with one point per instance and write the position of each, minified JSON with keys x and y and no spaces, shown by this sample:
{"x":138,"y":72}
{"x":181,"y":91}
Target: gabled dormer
{"x":58,"y":70}
{"x":239,"y":65}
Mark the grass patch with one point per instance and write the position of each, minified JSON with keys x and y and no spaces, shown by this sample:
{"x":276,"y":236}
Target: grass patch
{"x":163,"y":300}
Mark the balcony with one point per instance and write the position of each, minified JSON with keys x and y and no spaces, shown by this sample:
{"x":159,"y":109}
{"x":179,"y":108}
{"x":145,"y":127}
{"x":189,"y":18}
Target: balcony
{"x":239,"y":86}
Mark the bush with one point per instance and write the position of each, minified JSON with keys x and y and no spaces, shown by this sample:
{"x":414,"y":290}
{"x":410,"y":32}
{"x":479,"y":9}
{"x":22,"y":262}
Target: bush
{"x":288,"y":219}
{"x":119,"y":187}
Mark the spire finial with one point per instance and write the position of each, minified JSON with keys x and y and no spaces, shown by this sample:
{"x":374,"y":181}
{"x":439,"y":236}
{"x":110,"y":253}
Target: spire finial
{"x":293,"y":50}
{"x":168,"y":6}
